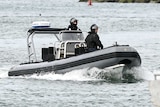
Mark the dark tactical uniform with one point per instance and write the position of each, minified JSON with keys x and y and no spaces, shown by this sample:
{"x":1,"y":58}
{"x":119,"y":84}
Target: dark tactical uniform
{"x":72,"y":27}
{"x":92,"y":41}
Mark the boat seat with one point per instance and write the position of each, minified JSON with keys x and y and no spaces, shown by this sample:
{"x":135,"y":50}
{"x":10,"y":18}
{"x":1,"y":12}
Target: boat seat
{"x":70,"y":49}
{"x":47,"y":54}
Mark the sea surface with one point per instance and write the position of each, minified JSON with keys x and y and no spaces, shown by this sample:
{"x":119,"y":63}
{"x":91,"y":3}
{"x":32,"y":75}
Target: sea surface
{"x":137,"y":25}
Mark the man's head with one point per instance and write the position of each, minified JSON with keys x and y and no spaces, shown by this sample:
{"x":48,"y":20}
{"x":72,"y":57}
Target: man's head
{"x":73,"y":21}
{"x":94,"y":28}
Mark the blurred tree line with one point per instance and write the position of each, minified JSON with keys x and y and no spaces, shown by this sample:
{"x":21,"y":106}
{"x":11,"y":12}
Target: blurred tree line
{"x":125,"y":1}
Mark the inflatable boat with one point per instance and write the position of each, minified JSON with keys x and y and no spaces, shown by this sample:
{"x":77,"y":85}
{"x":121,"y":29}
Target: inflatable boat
{"x":70,"y":52}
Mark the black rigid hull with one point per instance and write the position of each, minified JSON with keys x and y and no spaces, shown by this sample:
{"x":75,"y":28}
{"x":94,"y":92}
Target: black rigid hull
{"x":106,"y":57}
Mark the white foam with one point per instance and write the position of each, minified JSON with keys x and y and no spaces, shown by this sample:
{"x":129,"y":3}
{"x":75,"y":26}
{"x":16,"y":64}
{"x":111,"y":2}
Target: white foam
{"x":76,"y":75}
{"x":142,"y":73}
{"x":4,"y":72}
{"x":86,"y":74}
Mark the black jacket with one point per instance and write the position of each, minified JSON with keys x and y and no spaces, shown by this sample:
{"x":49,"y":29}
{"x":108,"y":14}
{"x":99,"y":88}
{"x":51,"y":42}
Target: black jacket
{"x":73,"y":27}
{"x":93,"y":41}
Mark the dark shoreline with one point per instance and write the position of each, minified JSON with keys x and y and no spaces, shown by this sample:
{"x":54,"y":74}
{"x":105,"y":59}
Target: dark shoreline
{"x":124,"y":1}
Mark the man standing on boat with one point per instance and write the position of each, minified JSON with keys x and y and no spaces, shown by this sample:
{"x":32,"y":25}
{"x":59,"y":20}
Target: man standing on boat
{"x":73,"y":24}
{"x":92,"y":40}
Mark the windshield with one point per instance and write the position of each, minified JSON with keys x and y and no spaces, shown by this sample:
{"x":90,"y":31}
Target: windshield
{"x":72,"y":36}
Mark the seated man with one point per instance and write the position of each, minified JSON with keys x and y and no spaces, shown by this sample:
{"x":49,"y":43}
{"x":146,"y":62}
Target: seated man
{"x":92,"y":40}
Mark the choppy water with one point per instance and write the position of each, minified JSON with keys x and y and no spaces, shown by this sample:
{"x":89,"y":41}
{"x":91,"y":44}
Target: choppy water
{"x":134,"y":24}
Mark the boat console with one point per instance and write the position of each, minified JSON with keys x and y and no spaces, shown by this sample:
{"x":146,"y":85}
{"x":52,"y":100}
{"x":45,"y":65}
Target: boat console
{"x":69,"y":43}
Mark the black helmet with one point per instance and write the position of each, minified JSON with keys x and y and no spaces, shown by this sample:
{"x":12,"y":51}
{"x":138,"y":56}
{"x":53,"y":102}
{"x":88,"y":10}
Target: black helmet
{"x":73,"y":20}
{"x":94,"y":27}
